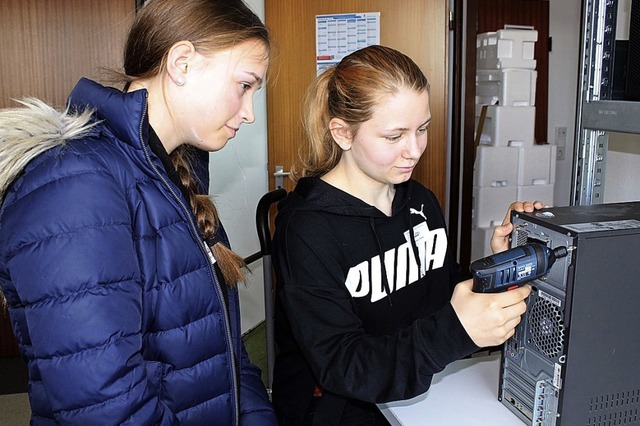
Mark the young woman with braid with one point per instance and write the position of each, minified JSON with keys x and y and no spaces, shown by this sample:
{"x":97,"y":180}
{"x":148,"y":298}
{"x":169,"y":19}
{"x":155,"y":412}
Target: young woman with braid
{"x":370,"y":301}
{"x":117,"y":275}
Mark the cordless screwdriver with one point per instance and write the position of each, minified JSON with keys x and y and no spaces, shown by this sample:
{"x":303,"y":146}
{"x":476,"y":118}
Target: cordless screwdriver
{"x":514,"y":267}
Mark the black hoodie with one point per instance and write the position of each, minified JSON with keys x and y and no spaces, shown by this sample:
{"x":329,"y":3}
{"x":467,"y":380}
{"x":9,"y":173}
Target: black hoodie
{"x":342,"y":327}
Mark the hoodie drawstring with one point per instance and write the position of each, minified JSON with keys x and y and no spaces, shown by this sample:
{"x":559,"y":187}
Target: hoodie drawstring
{"x":385,"y":281}
{"x":412,"y":239}
{"x":414,"y":248}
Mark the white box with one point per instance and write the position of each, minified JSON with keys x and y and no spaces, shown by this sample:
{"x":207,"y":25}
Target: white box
{"x":537,"y":165}
{"x":508,"y":48}
{"x":542,"y":193}
{"x":496,"y":166}
{"x":481,"y":243}
{"x":490,"y":205}
{"x":507,"y":125}
{"x":507,"y":87}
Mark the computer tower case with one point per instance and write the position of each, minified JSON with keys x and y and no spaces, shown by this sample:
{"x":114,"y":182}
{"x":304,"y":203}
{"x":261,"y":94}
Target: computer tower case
{"x":575,"y":357}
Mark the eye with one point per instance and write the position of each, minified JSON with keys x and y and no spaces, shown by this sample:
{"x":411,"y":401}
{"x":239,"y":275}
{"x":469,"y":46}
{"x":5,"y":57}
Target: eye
{"x":245,"y":86}
{"x":422,"y":130}
{"x":393,"y":138}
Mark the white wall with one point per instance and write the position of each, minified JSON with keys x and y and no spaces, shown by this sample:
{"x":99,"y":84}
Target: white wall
{"x":564,"y":28}
{"x":238,"y":178}
{"x":622,"y":168}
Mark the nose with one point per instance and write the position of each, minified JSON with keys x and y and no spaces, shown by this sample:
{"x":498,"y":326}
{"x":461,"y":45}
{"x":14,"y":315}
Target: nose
{"x":415,"y":146}
{"x":246,"y":110}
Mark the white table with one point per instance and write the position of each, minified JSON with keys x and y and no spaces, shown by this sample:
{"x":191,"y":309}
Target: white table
{"x":465,"y":393}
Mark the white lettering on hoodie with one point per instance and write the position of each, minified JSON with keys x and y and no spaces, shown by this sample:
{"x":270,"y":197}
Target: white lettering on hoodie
{"x":432,"y":249}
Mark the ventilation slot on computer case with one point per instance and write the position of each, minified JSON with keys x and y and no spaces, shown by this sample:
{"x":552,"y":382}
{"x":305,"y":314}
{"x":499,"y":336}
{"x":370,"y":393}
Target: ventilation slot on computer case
{"x":521,"y":237}
{"x":546,"y":328}
{"x":621,"y":408}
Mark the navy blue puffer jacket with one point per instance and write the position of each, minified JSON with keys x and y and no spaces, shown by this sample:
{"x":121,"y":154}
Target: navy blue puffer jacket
{"x":111,"y":294}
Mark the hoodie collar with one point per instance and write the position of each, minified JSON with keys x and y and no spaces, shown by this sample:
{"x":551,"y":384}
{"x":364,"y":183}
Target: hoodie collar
{"x":314,"y":194}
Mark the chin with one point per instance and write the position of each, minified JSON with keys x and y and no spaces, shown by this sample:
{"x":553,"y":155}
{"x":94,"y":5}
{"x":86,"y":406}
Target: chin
{"x":213,"y":145}
{"x":402,"y":178}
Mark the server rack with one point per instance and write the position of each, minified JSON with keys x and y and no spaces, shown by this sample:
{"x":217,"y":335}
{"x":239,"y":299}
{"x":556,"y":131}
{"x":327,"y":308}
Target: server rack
{"x":597,"y":114}
{"x":574,"y":359}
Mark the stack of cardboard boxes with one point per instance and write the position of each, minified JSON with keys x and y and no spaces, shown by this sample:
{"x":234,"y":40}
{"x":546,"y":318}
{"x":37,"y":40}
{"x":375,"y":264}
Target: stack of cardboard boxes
{"x":509,"y":165}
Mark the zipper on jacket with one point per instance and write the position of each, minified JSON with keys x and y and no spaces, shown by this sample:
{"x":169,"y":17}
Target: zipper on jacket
{"x":207,"y":252}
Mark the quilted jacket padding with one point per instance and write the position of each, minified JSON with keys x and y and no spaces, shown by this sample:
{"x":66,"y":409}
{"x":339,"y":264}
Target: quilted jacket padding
{"x":111,"y":295}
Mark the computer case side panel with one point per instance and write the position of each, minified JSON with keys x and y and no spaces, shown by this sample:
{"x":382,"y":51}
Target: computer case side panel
{"x":574,"y":359}
{"x":601,"y":380}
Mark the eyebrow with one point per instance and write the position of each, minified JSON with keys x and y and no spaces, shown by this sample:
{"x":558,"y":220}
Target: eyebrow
{"x":258,"y":78}
{"x":404,"y":129}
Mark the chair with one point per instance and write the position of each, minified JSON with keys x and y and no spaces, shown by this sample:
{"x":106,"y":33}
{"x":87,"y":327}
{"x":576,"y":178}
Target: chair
{"x":263,"y":222}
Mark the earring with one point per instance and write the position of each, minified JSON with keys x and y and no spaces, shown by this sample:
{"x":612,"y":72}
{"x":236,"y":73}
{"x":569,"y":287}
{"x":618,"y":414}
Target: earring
{"x":180,"y":81}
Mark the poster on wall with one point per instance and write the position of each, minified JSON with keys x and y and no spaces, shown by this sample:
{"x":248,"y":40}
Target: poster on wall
{"x":338,"y":35}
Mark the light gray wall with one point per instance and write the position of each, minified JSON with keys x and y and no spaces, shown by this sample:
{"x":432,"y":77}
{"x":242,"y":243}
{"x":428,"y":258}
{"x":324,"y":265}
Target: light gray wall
{"x":238,"y":180}
{"x":564,"y":29}
{"x":622,"y":168}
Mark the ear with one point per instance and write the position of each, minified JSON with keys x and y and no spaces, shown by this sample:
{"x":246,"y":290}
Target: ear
{"x":178,"y":58}
{"x":341,"y":133}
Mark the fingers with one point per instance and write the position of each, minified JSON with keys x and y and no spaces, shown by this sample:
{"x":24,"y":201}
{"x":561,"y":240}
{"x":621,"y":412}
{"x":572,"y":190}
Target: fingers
{"x":499,"y":239}
{"x":489,"y":319}
{"x":524,"y":206}
{"x":505,"y":322}
{"x":515,"y":296}
{"x":467,"y":284}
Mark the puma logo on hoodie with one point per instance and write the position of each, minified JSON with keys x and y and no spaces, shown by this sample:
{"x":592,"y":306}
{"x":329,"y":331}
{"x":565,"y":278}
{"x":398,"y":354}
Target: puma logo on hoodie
{"x":365,"y":279}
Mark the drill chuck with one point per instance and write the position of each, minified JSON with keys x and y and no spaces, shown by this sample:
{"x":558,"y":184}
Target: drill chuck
{"x":514,"y":267}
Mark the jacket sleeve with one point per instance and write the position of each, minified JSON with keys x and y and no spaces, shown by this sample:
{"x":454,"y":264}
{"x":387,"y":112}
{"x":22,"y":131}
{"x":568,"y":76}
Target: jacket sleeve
{"x":343,"y":357}
{"x":70,"y":254}
{"x":255,"y":408}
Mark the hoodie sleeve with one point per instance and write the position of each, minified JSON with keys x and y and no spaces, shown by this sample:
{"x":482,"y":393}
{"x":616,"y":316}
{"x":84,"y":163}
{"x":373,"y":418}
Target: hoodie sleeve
{"x":68,"y":248}
{"x":343,"y":357}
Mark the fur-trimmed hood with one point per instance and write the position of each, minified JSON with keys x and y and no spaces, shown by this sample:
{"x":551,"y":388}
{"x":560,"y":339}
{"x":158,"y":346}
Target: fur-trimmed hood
{"x":27,"y":131}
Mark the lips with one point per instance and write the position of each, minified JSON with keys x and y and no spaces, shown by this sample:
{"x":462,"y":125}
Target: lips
{"x":233,"y":130}
{"x":406,"y":169}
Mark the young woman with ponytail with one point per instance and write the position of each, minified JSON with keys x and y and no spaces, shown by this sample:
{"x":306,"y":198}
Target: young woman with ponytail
{"x":116,"y":272}
{"x":371,"y":302}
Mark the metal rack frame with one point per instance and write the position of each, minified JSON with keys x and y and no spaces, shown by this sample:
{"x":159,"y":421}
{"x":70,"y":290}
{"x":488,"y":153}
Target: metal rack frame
{"x":596,"y":113}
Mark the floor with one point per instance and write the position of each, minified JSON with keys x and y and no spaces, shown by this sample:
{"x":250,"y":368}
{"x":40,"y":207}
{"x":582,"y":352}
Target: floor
{"x":14,"y":405}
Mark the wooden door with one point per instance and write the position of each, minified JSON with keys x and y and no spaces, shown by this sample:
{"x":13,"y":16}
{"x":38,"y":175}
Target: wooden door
{"x":419,"y":28}
{"x":46,"y":47}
